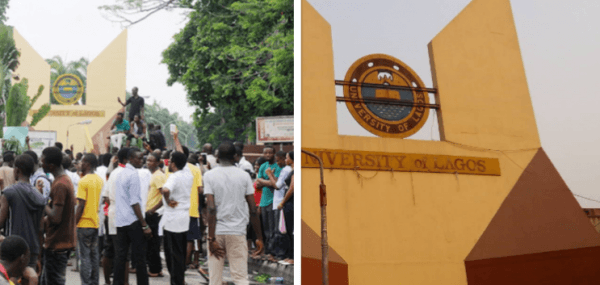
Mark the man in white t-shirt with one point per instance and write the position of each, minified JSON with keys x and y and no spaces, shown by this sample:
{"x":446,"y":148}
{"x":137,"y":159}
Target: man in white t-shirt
{"x":230,"y":201}
{"x":176,"y":217}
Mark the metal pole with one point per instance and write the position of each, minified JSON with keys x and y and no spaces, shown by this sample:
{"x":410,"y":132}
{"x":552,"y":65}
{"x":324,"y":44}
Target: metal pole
{"x":323,"y":201}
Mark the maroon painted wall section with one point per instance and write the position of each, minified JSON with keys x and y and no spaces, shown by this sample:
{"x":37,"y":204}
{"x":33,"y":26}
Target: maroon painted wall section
{"x":312,"y":274}
{"x":312,"y":261}
{"x":540,"y":235}
{"x":540,"y":214}
{"x":572,"y":266}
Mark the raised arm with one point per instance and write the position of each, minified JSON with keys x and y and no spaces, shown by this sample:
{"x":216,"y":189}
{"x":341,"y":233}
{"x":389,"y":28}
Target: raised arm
{"x":176,"y":142}
{"x":121,"y":102}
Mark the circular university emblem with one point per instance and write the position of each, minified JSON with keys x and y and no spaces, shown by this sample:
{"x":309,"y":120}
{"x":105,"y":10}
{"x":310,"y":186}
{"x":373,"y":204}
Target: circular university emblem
{"x":385,"y":119}
{"x":67,"y":89}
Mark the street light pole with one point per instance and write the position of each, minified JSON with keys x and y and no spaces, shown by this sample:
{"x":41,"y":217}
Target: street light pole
{"x":324,"y":242}
{"x":86,"y":122}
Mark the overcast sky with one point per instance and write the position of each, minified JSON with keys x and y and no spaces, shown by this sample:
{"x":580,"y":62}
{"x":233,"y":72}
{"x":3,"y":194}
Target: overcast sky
{"x":560,"y":44}
{"x":44,"y":25}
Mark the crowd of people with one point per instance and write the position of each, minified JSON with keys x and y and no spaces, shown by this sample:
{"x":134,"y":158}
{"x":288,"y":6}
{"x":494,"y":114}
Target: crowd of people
{"x":114,"y":209}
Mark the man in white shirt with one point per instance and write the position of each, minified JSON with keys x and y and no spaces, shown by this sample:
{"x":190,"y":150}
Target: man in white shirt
{"x":109,"y":193}
{"x":240,"y":160}
{"x":176,"y":217}
{"x":211,"y":159}
{"x":67,"y":163}
{"x":230,"y":200}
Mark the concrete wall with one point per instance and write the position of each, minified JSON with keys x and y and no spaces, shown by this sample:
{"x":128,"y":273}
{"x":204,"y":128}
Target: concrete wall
{"x":418,"y":228}
{"x":106,"y":81}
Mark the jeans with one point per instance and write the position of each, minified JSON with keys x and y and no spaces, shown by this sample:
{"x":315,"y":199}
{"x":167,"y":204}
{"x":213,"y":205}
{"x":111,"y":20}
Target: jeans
{"x":175,"y":249}
{"x":268,"y":220}
{"x":55,"y":267}
{"x":153,"y":253}
{"x":133,"y":236}
{"x":87,"y":245}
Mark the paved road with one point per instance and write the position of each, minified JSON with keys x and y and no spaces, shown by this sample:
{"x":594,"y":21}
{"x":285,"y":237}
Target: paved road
{"x":191,"y":276}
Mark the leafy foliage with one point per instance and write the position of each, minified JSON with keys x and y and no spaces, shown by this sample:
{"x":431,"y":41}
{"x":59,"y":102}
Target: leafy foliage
{"x":9,"y":60}
{"x":3,"y":7}
{"x":235,"y":59}
{"x":129,"y":12}
{"x":14,"y":145}
{"x":158,"y":115}
{"x":59,"y":67}
{"x":20,"y":104}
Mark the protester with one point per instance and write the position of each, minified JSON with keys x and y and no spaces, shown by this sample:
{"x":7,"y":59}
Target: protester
{"x":266,"y":201}
{"x":176,"y":217}
{"x":132,"y":230}
{"x":137,"y":104}
{"x":86,"y":217}
{"x":240,"y":160}
{"x":154,"y":203}
{"x":22,"y":207}
{"x":284,"y":243}
{"x":251,"y":235}
{"x":59,"y":222}
{"x":280,"y":241}
{"x":14,"y":255}
{"x":138,"y":130}
{"x":120,"y":128}
{"x":161,"y":142}
{"x":59,"y":145}
{"x":109,"y":195}
{"x":230,"y":202}
{"x":211,"y":159}
{"x":67,"y":166}
{"x":6,"y":171}
{"x":40,"y":179}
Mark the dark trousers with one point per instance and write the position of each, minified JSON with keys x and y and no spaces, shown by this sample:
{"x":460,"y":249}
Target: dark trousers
{"x":133,"y":236}
{"x":288,"y":212}
{"x":268,"y":220}
{"x":87,"y":245}
{"x":153,"y":252}
{"x":55,"y":267}
{"x":175,"y":250}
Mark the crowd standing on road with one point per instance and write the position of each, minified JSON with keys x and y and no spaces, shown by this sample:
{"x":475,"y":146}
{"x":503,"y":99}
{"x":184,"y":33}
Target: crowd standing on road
{"x":115,"y":209}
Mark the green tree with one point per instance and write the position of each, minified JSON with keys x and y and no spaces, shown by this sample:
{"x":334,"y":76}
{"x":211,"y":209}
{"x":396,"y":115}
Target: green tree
{"x":59,"y":67}
{"x":236,"y":59}
{"x":9,"y":60}
{"x":158,"y":115}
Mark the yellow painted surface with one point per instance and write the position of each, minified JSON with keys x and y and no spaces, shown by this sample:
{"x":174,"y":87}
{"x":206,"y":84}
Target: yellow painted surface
{"x":417,"y":228}
{"x":105,"y":82}
{"x":33,"y":67}
{"x":401,"y":162}
{"x":481,"y":79}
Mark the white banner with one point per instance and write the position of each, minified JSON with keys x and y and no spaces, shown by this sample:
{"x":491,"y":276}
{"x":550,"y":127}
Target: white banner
{"x":275,"y":129}
{"x":39,"y":140}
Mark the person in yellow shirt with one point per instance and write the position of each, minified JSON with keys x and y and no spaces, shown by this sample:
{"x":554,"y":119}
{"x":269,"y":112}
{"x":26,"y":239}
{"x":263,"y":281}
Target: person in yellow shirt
{"x":154,"y":203}
{"x":86,"y":217}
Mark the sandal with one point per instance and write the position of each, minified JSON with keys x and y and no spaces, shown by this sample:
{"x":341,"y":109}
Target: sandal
{"x":203,"y":273}
{"x":159,"y":274}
